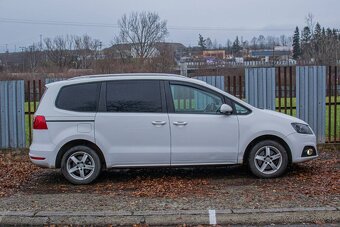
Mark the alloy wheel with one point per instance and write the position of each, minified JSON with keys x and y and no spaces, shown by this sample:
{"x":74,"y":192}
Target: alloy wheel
{"x":80,"y":165}
{"x":268,"y":159}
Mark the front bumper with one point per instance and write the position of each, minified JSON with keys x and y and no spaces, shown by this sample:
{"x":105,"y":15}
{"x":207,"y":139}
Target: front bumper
{"x":297,"y":142}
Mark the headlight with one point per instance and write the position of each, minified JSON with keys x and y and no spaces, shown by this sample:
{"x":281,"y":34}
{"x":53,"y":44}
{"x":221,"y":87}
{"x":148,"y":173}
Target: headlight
{"x":302,"y":128}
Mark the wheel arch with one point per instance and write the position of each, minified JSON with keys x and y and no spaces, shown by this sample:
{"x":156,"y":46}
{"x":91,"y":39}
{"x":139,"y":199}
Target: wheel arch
{"x":267,"y":137}
{"x":78,"y":142}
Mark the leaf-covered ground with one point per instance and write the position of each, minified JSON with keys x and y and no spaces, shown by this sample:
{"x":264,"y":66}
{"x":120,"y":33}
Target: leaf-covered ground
{"x":15,"y":170}
{"x":314,"y":183}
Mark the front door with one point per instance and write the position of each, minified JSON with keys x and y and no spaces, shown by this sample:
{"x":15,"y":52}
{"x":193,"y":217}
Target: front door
{"x":199,"y":133}
{"x":134,"y":129}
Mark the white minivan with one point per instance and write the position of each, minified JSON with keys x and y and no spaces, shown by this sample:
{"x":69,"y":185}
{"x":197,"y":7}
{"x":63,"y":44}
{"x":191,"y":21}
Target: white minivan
{"x":86,"y":124}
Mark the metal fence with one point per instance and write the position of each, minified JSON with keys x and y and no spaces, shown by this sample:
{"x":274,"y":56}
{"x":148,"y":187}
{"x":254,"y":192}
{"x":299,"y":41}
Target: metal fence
{"x":12,"y":118}
{"x":286,"y":86}
{"x":216,"y":81}
{"x":22,"y":97}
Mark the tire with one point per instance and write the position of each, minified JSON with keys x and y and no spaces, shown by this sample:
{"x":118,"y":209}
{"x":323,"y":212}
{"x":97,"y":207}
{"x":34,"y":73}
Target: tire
{"x":81,"y":165}
{"x":268,"y":159}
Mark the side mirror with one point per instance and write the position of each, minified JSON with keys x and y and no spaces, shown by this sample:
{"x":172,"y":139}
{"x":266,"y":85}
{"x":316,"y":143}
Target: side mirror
{"x":226,"y":109}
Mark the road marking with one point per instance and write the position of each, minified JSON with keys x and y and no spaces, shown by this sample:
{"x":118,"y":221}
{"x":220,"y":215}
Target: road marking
{"x":212,"y":217}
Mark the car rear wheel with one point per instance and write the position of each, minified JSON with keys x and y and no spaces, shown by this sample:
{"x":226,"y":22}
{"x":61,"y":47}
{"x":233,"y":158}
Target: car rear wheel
{"x":80,"y":165}
{"x":268,"y":159}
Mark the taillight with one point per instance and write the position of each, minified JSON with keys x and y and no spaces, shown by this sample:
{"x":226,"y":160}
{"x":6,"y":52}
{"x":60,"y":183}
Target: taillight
{"x":39,"y":123}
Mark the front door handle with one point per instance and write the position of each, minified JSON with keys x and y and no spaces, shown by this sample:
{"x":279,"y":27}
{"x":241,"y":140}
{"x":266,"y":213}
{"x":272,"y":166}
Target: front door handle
{"x":158,"y":123}
{"x":180,"y":123}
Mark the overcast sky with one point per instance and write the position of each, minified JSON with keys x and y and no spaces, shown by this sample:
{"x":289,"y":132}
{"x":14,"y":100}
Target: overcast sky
{"x":22,"y":21}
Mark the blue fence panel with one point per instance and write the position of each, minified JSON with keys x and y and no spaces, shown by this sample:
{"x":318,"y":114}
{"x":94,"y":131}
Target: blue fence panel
{"x":12,"y":114}
{"x":260,"y":87}
{"x":216,"y":81}
{"x":311,"y":98}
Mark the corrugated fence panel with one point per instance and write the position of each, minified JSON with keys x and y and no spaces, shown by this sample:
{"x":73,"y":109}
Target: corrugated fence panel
{"x":311,"y":98}
{"x":12,"y":114}
{"x":260,"y":87}
{"x":216,"y":81}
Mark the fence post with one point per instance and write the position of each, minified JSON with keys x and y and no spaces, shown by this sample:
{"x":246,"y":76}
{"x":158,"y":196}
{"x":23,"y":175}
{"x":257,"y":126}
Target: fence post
{"x":184,"y":69}
{"x":311,"y":98}
{"x":12,"y":114}
{"x":260,"y":87}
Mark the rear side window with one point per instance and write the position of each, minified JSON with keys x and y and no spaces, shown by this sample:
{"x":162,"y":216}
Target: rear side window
{"x":133,"y":96}
{"x":79,"y":97}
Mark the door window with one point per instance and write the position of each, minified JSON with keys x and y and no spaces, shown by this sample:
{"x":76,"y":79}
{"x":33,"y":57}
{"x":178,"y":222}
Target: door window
{"x":133,"y":96}
{"x":188,"y":99}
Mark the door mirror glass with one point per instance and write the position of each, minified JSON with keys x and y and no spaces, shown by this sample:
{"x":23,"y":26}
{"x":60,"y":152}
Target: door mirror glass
{"x":226,"y":109}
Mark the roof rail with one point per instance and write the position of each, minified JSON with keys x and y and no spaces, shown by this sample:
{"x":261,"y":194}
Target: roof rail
{"x":124,"y":74}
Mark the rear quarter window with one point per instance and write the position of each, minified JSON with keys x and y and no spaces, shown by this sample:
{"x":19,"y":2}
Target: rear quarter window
{"x":79,"y":97}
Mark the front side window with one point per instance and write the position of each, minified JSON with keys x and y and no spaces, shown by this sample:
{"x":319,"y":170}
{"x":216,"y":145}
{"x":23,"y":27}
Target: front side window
{"x":133,"y":96}
{"x":79,"y":97}
{"x":188,"y":99}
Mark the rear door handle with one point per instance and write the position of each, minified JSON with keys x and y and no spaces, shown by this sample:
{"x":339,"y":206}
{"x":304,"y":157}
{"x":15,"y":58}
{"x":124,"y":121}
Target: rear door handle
{"x":180,"y":123}
{"x":158,"y":123}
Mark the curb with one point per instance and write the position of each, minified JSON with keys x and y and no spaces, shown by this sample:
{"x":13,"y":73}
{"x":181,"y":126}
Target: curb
{"x":171,"y":217}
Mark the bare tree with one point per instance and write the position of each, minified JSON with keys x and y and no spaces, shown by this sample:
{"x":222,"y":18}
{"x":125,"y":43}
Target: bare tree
{"x":254,"y":43}
{"x":261,"y":40}
{"x":142,"y":31}
{"x":271,"y":42}
{"x":59,"y":50}
{"x":33,"y":57}
{"x":209,"y":44}
{"x":310,"y":22}
{"x":283,"y":40}
{"x":86,"y":50}
{"x":321,"y":46}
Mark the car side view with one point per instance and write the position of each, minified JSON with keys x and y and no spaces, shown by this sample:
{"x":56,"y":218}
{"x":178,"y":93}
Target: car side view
{"x":87,"y":124}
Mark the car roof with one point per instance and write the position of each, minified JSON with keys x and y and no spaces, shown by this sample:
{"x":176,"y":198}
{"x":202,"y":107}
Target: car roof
{"x":138,"y":76}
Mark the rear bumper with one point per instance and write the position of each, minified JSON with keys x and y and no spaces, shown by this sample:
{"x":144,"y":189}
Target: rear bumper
{"x":297,"y":142}
{"x":42,"y":155}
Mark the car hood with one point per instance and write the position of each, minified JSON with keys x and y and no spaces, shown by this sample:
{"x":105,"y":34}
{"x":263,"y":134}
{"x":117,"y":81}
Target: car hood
{"x":282,"y":116}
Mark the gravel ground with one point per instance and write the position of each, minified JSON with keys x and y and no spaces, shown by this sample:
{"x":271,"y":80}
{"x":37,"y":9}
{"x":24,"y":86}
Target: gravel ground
{"x":311,"y":184}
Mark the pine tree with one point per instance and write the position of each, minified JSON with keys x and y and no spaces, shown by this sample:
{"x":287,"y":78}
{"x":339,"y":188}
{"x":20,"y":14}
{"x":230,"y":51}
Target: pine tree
{"x":306,"y":35}
{"x":296,"y":44}
{"x":236,"y":45}
{"x":317,"y":37}
{"x":202,"y":42}
{"x":323,"y":32}
{"x":329,"y":33}
{"x":317,"y":32}
{"x":335,"y":34}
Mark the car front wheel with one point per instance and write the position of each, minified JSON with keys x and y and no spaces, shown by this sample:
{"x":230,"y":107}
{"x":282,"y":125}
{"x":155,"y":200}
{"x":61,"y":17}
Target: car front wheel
{"x":80,"y":165}
{"x":268,"y":159}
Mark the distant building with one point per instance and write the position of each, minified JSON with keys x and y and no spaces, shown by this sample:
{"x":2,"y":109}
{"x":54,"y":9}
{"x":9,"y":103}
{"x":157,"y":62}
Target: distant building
{"x":278,"y":53}
{"x":214,"y":53}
